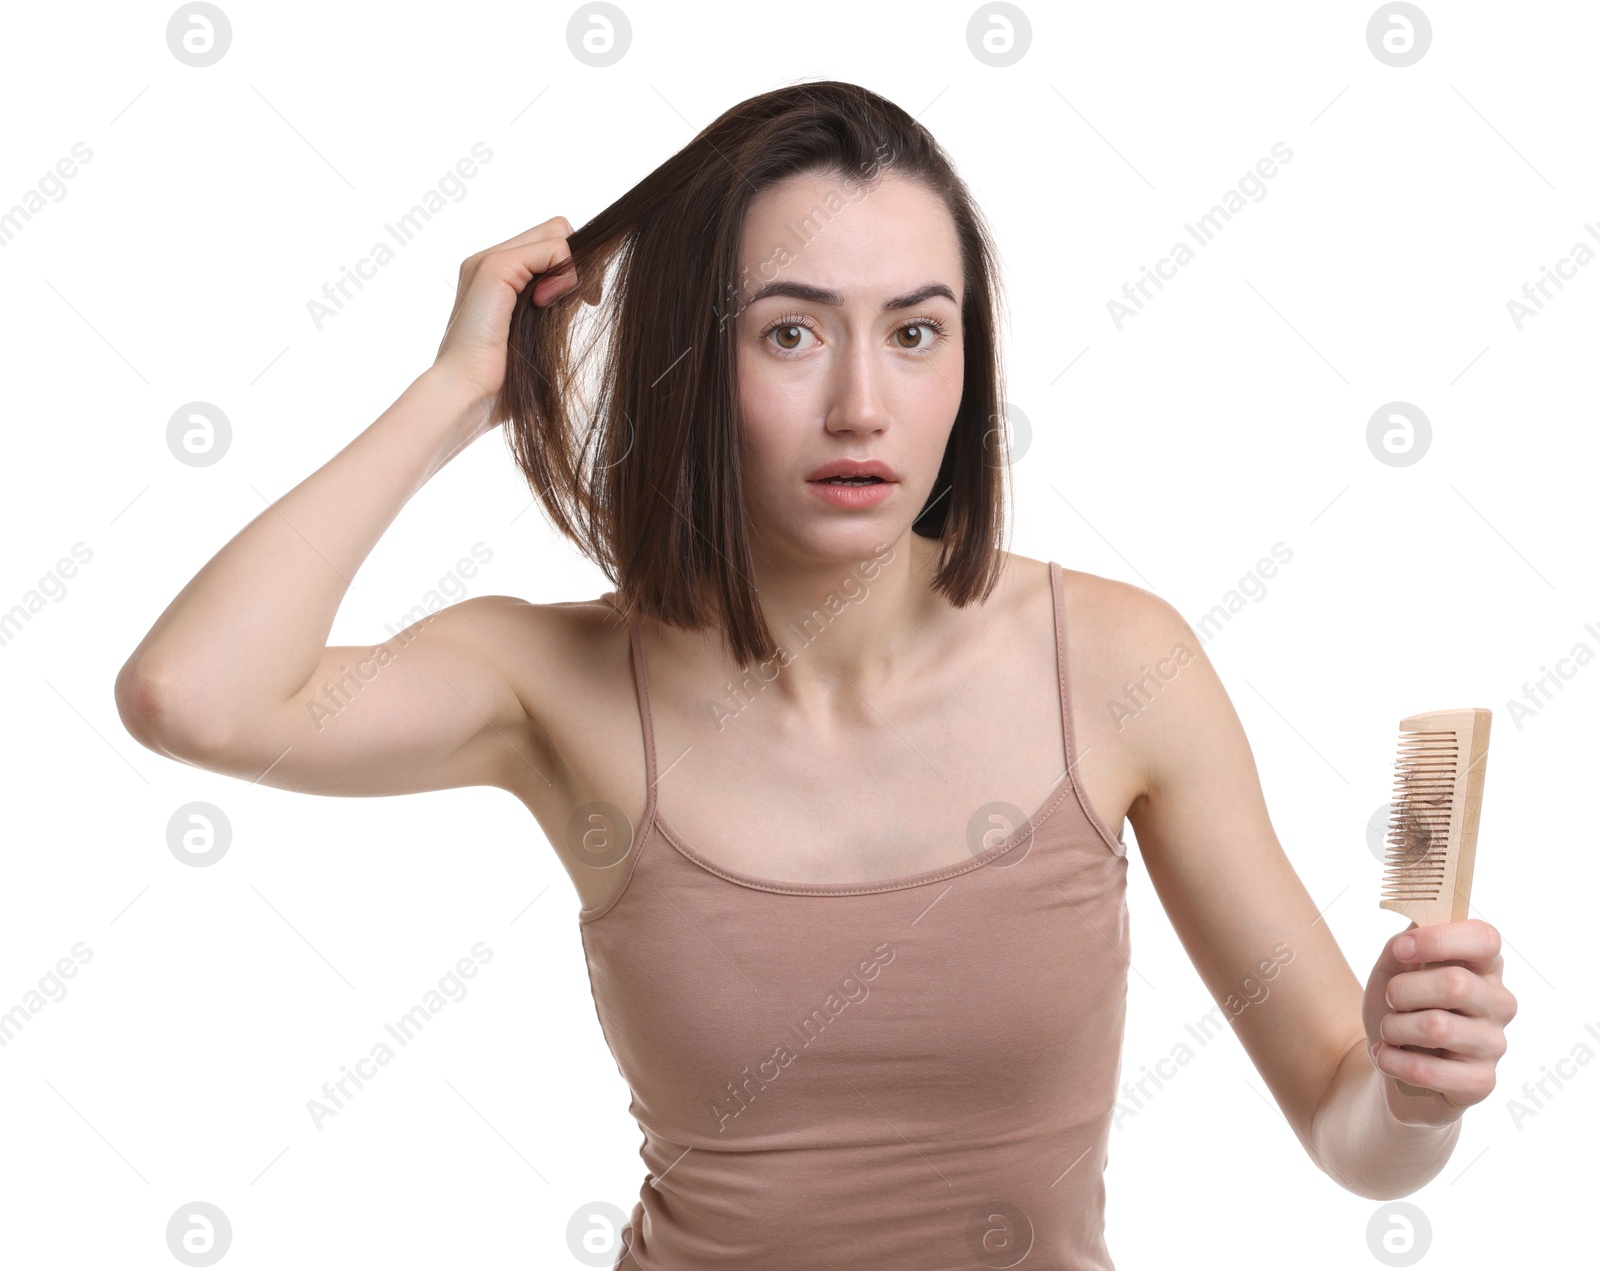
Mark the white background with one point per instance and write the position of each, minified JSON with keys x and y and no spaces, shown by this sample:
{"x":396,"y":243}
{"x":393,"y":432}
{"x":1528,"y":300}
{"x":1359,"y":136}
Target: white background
{"x":1228,"y":416}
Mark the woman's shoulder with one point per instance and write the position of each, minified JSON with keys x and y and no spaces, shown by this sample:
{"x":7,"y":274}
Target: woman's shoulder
{"x":1095,"y":603}
{"x":544,"y":647}
{"x":502,"y":616}
{"x":1121,"y":603}
{"x":1117,"y":630}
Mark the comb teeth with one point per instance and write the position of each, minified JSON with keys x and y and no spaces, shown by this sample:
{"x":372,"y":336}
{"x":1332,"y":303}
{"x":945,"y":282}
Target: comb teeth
{"x":1426,"y":773}
{"x":1433,"y":817}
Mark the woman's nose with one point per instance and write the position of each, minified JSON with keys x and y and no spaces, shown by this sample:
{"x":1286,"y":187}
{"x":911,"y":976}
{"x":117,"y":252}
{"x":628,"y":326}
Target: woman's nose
{"x":858,"y":401}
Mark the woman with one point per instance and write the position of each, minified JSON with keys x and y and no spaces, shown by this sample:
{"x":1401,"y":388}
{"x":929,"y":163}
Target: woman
{"x":830,"y":771}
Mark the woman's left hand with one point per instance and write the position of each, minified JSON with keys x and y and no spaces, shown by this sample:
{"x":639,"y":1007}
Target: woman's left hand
{"x":1457,"y":1008}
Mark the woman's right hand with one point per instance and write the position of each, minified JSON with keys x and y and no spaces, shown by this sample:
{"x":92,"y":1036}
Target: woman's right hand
{"x":473,"y":351}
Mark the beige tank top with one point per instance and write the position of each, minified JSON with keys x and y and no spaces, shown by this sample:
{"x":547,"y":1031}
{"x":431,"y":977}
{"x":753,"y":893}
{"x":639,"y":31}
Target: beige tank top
{"x":913,"y":1074}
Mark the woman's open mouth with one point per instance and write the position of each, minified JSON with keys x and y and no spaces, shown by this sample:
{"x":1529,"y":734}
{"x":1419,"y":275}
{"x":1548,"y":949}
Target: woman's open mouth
{"x":853,"y":492}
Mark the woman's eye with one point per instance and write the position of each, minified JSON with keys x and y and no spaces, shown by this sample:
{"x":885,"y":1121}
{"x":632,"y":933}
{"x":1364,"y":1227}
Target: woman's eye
{"x":913,"y":337}
{"x":787,"y":332}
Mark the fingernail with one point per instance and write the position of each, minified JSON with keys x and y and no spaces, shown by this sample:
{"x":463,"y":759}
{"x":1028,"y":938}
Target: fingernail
{"x":1373,"y":1050}
{"x":1405,"y":947}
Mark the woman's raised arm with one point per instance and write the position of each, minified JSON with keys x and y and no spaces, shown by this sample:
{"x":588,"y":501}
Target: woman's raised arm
{"x":236,"y":676}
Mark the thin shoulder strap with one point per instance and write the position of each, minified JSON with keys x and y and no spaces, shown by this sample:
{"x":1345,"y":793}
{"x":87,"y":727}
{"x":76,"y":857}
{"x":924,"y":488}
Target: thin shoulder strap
{"x":1069,"y":742}
{"x":1064,"y":687}
{"x":641,"y":689}
{"x":641,"y":686}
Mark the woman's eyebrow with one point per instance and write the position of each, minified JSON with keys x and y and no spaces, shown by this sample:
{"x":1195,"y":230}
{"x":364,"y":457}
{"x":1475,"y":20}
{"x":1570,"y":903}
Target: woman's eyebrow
{"x":821,"y":295}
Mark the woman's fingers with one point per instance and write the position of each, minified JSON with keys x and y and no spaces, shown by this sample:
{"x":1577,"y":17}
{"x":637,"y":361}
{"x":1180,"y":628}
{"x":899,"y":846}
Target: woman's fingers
{"x":1458,"y":1035}
{"x":555,"y":227}
{"x":475,"y":340}
{"x":1450,"y":988}
{"x":539,"y":251}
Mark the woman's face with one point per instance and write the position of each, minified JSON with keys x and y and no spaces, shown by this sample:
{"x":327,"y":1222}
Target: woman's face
{"x":849,"y":347}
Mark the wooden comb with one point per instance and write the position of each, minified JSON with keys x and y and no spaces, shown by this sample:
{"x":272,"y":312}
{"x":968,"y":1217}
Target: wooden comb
{"x":1433,"y":821}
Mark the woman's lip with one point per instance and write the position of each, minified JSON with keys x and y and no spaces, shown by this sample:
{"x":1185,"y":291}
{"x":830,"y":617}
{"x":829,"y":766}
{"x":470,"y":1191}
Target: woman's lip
{"x":867,"y":495}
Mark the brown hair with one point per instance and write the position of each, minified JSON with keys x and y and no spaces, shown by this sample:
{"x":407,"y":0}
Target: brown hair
{"x":649,"y":486}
